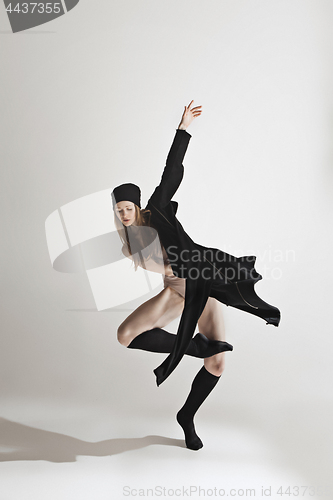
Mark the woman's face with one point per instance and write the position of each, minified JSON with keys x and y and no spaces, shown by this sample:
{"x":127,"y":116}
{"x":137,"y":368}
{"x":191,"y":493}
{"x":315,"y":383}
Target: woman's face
{"x":125,"y":211}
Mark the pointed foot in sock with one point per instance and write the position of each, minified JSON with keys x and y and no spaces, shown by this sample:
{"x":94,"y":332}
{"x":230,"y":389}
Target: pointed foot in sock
{"x":192,"y":440}
{"x":208,"y":348}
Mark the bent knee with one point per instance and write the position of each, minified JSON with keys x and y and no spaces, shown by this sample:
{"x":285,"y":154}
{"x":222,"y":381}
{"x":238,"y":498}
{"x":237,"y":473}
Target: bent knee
{"x":124,"y":335}
{"x":215,"y":365}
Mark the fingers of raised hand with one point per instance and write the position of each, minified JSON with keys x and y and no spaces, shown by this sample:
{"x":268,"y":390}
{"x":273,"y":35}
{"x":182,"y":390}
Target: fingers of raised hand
{"x":194,"y":110}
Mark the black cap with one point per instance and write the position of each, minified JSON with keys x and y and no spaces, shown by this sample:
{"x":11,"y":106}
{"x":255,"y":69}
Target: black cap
{"x":126,"y":192}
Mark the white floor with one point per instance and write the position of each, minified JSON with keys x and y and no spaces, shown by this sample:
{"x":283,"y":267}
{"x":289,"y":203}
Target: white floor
{"x":94,"y":454}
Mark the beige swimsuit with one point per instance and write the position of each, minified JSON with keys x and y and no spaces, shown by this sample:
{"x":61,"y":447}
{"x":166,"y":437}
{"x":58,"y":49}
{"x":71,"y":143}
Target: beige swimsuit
{"x":171,"y":280}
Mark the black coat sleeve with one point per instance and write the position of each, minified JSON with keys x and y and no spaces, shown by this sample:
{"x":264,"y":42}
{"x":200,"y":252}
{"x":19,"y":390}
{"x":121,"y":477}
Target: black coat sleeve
{"x":173,"y":171}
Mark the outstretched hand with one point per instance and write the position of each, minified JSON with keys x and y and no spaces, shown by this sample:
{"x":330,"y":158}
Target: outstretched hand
{"x":189,"y":115}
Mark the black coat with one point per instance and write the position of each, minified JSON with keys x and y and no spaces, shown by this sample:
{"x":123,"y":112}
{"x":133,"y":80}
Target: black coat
{"x":209,"y":272}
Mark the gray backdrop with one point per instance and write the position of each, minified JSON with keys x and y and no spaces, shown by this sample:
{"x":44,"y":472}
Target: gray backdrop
{"x":91,"y":100}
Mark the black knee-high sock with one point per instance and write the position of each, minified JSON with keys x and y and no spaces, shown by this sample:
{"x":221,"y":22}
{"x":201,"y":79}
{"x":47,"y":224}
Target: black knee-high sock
{"x":203,"y":383}
{"x":158,"y":340}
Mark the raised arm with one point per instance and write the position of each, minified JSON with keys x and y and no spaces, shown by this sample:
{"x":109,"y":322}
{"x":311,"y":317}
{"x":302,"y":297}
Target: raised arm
{"x":174,"y":170}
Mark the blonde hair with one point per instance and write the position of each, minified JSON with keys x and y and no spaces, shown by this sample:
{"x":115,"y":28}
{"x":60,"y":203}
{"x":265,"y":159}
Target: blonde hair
{"x":142,"y":239}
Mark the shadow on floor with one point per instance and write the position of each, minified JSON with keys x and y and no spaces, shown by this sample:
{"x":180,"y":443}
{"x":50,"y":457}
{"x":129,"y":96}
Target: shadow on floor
{"x":21,"y":442}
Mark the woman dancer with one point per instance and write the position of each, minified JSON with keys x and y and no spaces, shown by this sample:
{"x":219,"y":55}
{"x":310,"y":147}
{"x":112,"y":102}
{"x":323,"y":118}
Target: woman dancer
{"x":196,"y":296}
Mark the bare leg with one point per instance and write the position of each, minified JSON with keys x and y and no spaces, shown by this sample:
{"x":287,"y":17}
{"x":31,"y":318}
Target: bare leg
{"x":211,"y":324}
{"x":154,"y":313}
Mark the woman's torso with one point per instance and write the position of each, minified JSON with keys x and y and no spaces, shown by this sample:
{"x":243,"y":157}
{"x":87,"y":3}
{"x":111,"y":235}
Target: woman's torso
{"x":158,"y":264}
